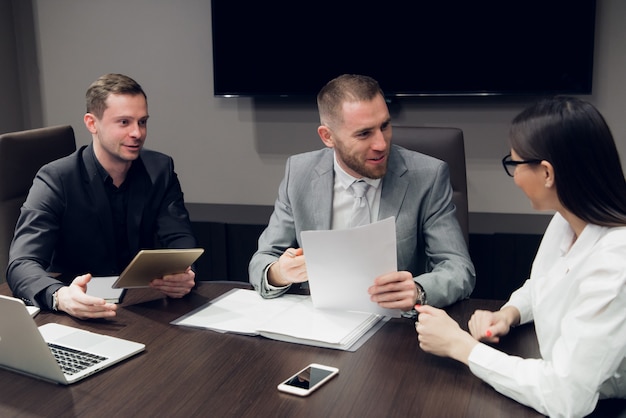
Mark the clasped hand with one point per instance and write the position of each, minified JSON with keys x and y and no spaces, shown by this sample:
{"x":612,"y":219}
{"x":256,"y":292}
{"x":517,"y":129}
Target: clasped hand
{"x":441,"y":335}
{"x":490,"y":326}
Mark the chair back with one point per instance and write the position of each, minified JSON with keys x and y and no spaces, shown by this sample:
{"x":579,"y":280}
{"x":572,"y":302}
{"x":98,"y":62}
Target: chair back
{"x":445,"y":144}
{"x":22,"y":154}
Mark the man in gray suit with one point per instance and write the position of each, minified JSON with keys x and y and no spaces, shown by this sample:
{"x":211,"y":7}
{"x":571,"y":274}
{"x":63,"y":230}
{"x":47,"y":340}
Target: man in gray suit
{"x":317,"y":193}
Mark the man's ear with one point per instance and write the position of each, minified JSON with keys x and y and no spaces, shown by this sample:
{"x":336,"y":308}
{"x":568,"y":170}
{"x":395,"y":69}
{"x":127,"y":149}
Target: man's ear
{"x":326,"y":136}
{"x":90,"y":122}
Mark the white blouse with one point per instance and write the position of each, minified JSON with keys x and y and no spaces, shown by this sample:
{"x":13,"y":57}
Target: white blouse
{"x":576,"y":295}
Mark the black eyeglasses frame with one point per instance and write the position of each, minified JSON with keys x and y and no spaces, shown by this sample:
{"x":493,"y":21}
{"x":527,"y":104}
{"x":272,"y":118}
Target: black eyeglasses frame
{"x":507,"y":163}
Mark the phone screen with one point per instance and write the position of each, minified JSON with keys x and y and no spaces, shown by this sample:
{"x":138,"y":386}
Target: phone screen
{"x":308,"y":377}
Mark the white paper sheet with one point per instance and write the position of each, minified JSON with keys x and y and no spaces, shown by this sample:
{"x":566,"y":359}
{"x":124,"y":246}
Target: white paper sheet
{"x":241,"y":311}
{"x":342,"y":265}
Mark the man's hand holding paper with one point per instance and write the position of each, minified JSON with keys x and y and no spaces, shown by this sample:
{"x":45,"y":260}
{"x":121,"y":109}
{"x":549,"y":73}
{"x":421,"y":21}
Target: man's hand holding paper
{"x":345,"y":265}
{"x":395,"y":290}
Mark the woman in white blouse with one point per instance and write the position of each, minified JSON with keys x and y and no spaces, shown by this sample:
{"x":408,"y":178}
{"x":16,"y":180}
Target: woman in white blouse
{"x":564,"y":158}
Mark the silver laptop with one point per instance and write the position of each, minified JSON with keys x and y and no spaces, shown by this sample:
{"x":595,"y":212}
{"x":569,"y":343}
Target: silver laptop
{"x":55,"y":352}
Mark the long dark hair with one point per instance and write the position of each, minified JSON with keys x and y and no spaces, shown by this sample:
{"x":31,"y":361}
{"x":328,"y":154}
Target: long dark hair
{"x":573,"y":136}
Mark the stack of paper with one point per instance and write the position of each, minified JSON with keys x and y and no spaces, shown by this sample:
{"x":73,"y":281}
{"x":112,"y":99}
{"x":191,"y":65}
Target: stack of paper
{"x":290,"y":318}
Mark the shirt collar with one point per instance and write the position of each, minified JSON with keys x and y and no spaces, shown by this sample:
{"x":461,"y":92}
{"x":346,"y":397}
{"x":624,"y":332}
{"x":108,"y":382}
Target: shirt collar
{"x":104,"y":175}
{"x":587,"y":239}
{"x":346,"y":179}
{"x":101,"y":171}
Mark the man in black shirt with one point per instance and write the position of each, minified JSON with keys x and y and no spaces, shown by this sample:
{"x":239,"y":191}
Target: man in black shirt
{"x":92,"y":211}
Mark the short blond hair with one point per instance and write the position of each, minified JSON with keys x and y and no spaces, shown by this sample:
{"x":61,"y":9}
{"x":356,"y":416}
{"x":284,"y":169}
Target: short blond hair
{"x":345,"y":88}
{"x":108,"y":84}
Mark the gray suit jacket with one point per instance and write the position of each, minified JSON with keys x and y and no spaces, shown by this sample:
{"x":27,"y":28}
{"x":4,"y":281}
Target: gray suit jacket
{"x":416,"y":191}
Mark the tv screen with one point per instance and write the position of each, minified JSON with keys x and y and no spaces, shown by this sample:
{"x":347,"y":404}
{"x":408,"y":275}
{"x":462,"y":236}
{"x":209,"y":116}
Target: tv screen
{"x":412,"y":47}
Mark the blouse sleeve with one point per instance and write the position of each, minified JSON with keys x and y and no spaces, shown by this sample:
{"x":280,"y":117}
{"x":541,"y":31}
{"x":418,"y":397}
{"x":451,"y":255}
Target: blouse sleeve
{"x":589,"y":343}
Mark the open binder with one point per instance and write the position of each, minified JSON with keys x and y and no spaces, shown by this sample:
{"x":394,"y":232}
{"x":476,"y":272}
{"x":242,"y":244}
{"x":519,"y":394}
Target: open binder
{"x":290,"y":318}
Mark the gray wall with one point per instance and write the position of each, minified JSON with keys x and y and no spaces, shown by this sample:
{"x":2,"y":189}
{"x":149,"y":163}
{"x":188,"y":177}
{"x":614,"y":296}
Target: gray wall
{"x":232,"y":151}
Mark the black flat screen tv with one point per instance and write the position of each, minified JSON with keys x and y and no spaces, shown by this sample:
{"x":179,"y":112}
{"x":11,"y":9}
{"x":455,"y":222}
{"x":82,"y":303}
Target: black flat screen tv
{"x":412,"y":47}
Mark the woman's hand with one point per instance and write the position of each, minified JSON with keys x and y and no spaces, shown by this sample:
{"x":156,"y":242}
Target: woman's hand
{"x":441,"y":335}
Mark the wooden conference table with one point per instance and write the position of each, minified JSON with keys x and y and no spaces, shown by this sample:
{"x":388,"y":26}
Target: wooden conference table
{"x":193,"y":372}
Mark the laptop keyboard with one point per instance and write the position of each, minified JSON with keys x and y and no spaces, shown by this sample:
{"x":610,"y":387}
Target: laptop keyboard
{"x":73,"y":361}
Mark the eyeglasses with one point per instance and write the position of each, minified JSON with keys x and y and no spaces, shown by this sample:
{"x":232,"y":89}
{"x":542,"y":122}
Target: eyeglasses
{"x":510,"y":165}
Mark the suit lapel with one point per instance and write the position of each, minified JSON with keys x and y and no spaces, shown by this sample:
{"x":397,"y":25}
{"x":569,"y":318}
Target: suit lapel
{"x":394,"y":186}
{"x":322,"y":188}
{"x":97,"y":194}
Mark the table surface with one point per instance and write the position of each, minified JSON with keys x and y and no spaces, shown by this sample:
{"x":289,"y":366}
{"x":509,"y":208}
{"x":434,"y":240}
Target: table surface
{"x":195,"y":372}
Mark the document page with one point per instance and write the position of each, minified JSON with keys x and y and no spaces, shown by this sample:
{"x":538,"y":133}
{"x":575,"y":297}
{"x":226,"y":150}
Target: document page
{"x":342,"y":264}
{"x":240,"y":311}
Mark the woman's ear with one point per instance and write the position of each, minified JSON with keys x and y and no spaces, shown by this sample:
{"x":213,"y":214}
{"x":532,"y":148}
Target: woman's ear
{"x":548,"y":171}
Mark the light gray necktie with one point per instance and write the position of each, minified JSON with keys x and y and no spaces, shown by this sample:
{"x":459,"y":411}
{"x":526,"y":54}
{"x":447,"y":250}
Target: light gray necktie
{"x":361,"y":207}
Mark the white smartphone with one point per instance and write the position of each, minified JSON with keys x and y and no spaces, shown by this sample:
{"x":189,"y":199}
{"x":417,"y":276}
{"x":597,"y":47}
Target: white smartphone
{"x":308,"y":379}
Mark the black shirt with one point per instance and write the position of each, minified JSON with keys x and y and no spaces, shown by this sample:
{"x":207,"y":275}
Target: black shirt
{"x":118,"y":202}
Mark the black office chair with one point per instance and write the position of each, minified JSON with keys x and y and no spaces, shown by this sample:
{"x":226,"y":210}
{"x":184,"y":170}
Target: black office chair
{"x":22,"y":154}
{"x":444,"y":144}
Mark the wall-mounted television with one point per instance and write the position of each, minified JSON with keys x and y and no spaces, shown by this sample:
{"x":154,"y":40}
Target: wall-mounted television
{"x":414,"y":48}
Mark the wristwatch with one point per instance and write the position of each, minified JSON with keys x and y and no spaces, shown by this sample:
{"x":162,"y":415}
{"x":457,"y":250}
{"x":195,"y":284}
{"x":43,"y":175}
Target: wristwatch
{"x":421,"y":294}
{"x":55,"y":301}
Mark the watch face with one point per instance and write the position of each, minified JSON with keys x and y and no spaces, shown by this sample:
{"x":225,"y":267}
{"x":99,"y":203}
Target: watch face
{"x":421,"y":294}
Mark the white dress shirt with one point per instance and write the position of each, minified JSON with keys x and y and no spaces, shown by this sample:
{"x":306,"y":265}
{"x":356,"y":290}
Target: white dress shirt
{"x":343,"y":197}
{"x":576,"y":295}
